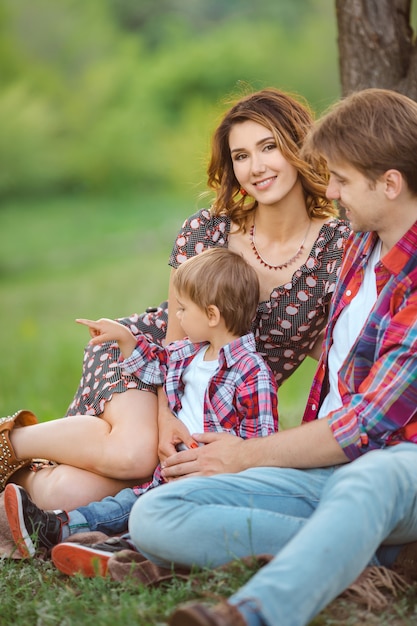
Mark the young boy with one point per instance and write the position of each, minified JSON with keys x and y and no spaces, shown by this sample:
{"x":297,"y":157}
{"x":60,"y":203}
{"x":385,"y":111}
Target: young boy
{"x":214,"y":381}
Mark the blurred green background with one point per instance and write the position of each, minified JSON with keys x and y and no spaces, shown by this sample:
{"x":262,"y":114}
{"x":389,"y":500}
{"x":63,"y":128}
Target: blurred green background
{"x":106,"y":109}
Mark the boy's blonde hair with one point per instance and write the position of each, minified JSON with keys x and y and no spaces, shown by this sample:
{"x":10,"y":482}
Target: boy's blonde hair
{"x":222,"y":278}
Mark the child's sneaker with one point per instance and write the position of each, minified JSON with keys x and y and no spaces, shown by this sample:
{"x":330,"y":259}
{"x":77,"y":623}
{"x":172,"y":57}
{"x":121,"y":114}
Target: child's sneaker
{"x":31,"y":527}
{"x":74,"y":558}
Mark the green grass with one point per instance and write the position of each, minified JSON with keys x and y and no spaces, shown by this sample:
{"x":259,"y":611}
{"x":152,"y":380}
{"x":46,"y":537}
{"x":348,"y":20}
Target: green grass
{"x":35,"y":593}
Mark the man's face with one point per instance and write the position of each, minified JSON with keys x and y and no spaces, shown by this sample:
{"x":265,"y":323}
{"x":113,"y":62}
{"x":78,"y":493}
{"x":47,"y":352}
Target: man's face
{"x":362,"y":200}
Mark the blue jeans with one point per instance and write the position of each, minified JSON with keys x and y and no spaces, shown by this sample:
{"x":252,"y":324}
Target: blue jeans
{"x":324,"y":526}
{"x":110,"y":515}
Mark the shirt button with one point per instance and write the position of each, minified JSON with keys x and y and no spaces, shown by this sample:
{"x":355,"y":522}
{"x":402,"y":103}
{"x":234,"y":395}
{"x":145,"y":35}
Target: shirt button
{"x":313,"y":407}
{"x":348,"y":292}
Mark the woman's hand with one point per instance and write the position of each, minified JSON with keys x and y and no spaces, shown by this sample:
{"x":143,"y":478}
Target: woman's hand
{"x":221,"y":454}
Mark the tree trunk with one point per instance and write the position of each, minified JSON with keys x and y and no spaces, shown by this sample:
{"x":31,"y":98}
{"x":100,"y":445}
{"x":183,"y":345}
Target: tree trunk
{"x":376,"y":47}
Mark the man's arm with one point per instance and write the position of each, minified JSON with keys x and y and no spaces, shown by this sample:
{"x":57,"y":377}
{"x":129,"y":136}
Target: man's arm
{"x":306,"y":446}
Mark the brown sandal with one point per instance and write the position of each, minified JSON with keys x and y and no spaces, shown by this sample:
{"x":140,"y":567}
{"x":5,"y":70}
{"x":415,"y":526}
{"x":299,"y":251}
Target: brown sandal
{"x":9,"y":464}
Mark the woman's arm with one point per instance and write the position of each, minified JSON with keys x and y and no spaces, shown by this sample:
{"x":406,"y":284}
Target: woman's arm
{"x":316,"y":350}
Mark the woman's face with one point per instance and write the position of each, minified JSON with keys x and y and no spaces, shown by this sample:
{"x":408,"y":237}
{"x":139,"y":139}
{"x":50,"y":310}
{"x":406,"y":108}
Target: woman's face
{"x":259,"y":165}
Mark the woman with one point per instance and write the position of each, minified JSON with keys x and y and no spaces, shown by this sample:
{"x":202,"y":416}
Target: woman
{"x":269,"y":206}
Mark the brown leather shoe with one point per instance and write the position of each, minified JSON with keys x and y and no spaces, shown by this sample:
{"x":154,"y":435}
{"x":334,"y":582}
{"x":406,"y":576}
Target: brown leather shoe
{"x":406,"y":561}
{"x":9,"y":463}
{"x":196,"y":614}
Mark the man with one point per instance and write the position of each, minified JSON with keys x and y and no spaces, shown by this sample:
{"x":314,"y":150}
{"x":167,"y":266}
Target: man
{"x":323,"y":496}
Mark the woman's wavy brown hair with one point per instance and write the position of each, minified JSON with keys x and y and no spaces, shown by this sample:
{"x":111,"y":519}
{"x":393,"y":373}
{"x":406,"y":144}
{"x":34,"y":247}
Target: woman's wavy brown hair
{"x":289,"y":120}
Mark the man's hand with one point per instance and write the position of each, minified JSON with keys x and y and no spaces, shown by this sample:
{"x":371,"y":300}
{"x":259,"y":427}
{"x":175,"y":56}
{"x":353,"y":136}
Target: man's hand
{"x":221,"y":454}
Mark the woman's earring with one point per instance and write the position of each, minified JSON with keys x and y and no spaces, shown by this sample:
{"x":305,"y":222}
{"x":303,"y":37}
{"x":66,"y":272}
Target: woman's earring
{"x":243,"y":192}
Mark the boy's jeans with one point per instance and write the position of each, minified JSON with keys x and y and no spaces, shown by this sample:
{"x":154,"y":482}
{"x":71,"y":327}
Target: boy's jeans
{"x":110,"y":515}
{"x":323,"y":525}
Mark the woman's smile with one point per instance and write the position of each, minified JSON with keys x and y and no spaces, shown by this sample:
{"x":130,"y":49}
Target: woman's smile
{"x":265,"y":183}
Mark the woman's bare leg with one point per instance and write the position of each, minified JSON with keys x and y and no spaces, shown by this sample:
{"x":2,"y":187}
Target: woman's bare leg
{"x":121,"y":443}
{"x":66,"y":487}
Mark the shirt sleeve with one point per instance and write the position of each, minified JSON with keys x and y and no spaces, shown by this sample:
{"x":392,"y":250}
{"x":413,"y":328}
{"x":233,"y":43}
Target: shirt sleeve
{"x":198,"y":232}
{"x":148,"y":362}
{"x":386,"y":399}
{"x":257,"y":404}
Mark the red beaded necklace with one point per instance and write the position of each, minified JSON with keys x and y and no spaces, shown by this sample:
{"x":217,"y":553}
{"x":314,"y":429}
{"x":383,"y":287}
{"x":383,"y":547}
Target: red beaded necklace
{"x":282,"y":265}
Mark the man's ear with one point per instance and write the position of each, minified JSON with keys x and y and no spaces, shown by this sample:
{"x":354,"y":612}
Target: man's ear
{"x":213,"y":315}
{"x":393,"y":183}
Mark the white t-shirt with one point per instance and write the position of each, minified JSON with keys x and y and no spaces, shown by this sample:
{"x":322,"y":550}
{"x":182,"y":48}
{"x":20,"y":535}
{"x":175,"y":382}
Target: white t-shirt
{"x":196,"y":378}
{"x":347,"y":328}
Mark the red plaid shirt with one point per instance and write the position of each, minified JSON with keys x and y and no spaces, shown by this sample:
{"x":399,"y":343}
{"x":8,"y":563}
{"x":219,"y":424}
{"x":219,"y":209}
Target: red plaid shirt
{"x":378,"y":379}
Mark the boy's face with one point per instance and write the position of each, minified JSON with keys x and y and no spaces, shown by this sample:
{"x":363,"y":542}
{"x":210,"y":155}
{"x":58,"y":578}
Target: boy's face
{"x":363,"y":201}
{"x":194,"y":320}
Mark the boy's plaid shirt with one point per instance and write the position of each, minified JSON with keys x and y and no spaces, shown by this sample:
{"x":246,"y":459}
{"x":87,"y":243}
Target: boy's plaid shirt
{"x":241,"y":397}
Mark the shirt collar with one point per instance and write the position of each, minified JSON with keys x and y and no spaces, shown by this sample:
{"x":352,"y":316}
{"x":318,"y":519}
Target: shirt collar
{"x":230,"y":353}
{"x":233,"y":351}
{"x":183,"y":349}
{"x":400,"y":254}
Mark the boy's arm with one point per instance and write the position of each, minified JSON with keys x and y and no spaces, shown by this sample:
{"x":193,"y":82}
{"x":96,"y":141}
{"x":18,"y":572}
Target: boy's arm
{"x":146,"y":360}
{"x":171,"y":430}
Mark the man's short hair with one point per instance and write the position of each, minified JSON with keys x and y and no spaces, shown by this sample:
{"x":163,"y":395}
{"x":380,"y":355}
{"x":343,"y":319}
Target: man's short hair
{"x":374,"y":130}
